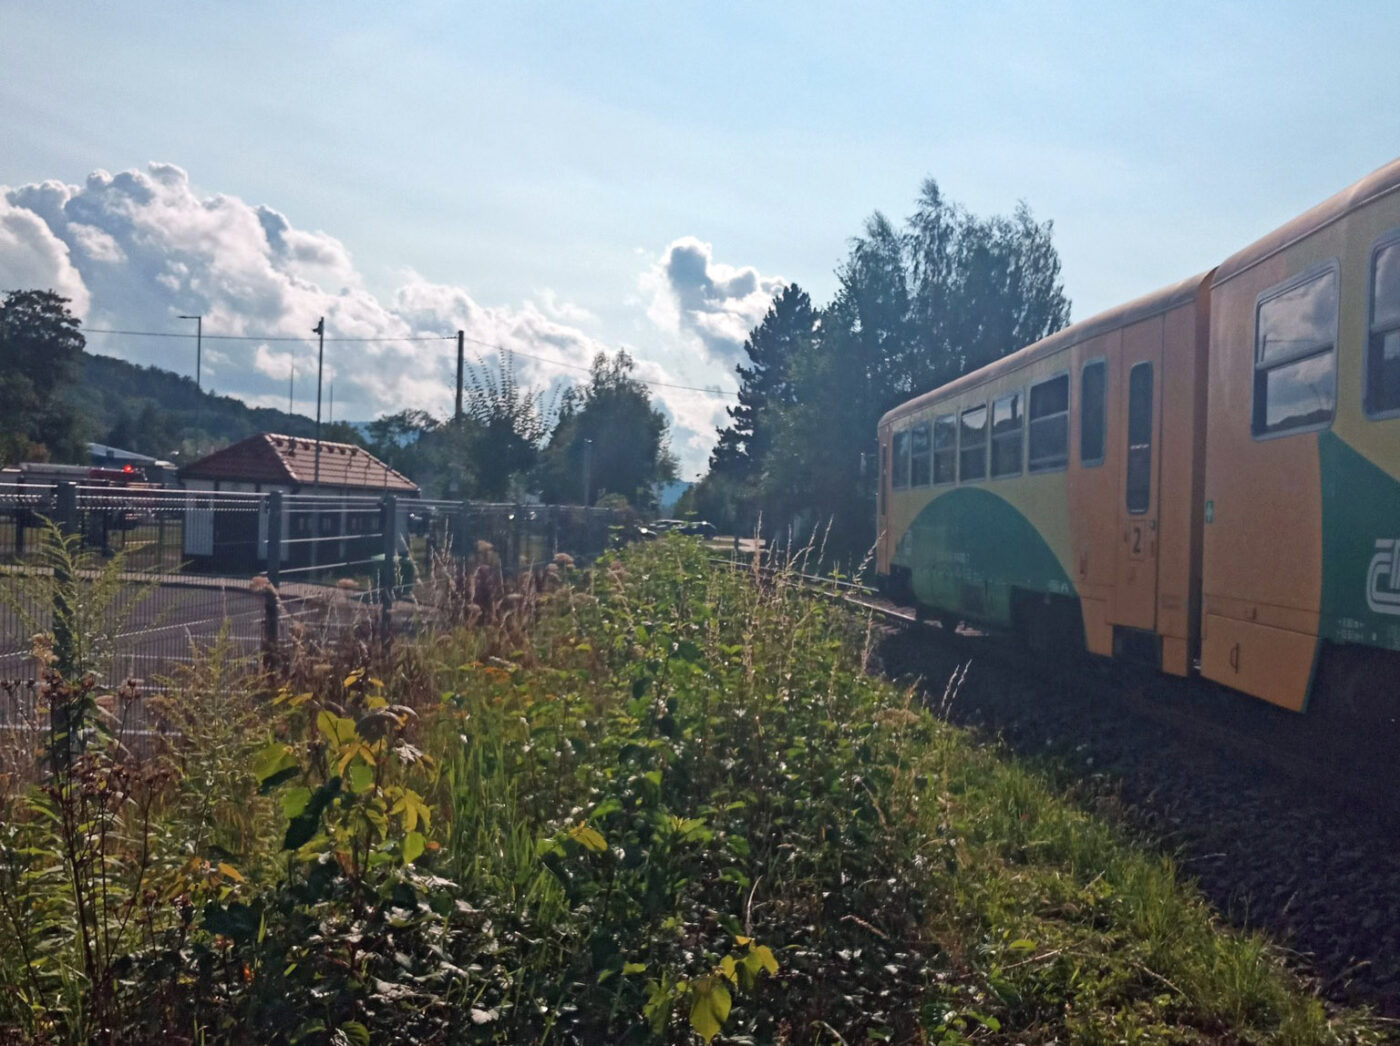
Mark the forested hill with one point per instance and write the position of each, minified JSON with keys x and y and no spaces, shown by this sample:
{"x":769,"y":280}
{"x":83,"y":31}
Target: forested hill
{"x":159,"y":412}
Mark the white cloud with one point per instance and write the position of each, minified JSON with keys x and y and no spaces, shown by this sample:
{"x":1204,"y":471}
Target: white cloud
{"x":566,"y":312}
{"x":32,"y":257}
{"x":136,"y":249}
{"x":713,"y":303}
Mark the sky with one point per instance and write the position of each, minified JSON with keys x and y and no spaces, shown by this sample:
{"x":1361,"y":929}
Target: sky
{"x":564,"y":178}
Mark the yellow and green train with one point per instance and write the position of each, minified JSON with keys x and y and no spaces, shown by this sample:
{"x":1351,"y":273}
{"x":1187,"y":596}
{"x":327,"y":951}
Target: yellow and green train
{"x":1207,"y":478}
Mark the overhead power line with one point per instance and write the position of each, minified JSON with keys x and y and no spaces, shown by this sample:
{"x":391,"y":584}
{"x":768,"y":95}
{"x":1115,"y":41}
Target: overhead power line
{"x":422,"y":337}
{"x":589,"y":370}
{"x":265,"y":337}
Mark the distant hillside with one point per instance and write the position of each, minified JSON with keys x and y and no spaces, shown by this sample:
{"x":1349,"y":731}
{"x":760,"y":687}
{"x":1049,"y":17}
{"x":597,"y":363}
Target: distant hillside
{"x":159,"y":412}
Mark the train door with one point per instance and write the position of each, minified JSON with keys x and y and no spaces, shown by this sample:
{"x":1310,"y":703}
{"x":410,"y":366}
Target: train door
{"x":1135,"y":587}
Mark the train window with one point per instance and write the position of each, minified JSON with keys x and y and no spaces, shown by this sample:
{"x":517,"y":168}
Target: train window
{"x":945,"y":448}
{"x":1383,"y":348}
{"x":1139,"y":481}
{"x":918,"y":456}
{"x":900,"y":476}
{"x":1093,"y":412}
{"x":972,"y":447}
{"x":1049,"y":425}
{"x":1006,"y":435}
{"x":1295,"y":358}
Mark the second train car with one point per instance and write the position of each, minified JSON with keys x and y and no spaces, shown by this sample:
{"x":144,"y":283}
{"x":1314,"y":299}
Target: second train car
{"x":1206,"y":479}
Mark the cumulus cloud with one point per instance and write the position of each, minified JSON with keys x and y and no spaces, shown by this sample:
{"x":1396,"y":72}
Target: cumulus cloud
{"x":32,"y":257}
{"x":714,"y":304}
{"x":566,"y":312}
{"x":137,"y":249}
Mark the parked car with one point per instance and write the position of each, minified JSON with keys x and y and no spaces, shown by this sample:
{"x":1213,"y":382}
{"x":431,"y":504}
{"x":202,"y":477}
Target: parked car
{"x":693,"y":527}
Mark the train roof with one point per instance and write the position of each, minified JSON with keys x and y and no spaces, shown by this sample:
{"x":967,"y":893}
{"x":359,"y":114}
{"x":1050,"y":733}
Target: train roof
{"x":1378,"y":183}
{"x":1375,"y":185}
{"x":1120,"y":316}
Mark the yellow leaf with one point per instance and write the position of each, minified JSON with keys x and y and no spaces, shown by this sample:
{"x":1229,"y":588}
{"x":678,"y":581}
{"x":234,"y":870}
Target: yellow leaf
{"x":353,"y":678}
{"x":345,"y":759}
{"x":325,"y":722}
{"x":229,"y":871}
{"x":588,"y":837}
{"x":413,"y":808}
{"x":710,"y":1008}
{"x":766,"y":957}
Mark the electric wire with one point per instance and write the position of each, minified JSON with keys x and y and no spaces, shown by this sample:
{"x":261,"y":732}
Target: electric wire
{"x":709,"y":391}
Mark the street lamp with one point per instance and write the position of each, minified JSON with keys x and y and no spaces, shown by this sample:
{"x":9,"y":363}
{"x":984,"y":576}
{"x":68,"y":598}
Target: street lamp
{"x":198,"y":345}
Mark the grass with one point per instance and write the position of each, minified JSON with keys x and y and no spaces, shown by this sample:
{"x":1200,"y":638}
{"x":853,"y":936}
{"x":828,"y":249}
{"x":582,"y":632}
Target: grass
{"x":654,"y":802}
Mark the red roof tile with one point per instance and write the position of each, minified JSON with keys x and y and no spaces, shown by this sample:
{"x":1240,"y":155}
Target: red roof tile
{"x":271,"y":458}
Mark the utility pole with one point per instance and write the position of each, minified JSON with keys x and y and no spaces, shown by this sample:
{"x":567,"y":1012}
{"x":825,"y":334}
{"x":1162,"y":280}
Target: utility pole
{"x":198,"y":346}
{"x":320,"y":331}
{"x":330,"y":410}
{"x":461,"y":335}
{"x":291,"y":384}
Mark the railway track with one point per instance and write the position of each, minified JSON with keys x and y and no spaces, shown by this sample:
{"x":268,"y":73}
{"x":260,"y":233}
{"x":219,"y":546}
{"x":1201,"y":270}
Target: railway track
{"x":1286,"y":827}
{"x":1304,"y":749}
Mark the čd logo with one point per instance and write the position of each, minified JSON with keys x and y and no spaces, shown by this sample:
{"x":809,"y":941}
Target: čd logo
{"x":1383,"y":579}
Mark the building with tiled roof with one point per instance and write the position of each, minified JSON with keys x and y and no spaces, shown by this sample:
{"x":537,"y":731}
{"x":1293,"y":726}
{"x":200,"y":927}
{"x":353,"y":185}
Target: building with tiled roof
{"x":269,"y":461}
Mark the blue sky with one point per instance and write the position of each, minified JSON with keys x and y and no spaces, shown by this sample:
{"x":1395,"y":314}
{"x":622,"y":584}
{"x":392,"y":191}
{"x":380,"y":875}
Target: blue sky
{"x":528,"y":169}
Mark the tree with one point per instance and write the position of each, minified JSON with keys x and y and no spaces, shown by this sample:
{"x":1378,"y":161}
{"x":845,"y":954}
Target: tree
{"x":765,"y":385}
{"x":434,"y":454}
{"x":610,"y":427}
{"x":343,"y":432}
{"x":979,"y":288}
{"x":814,"y":476}
{"x":913,"y":310}
{"x":508,"y":425}
{"x":40,"y":349}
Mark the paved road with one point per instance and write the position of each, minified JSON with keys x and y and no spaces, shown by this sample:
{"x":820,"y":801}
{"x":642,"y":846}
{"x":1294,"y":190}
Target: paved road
{"x":150,"y":630}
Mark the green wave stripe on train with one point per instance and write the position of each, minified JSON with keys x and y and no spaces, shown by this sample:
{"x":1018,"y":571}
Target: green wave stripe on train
{"x":1360,"y":547}
{"x":967,"y":549}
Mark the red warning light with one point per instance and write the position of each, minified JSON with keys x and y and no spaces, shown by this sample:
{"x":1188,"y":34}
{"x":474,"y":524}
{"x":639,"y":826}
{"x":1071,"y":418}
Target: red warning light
{"x":128,"y":469}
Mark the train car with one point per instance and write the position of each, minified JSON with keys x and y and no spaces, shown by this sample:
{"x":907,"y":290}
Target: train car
{"x":1057,"y":491}
{"x":1302,"y":514}
{"x":1206,"y":478}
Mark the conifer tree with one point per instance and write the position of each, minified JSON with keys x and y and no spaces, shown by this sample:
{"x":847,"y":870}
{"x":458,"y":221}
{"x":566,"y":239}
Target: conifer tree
{"x":765,"y":384}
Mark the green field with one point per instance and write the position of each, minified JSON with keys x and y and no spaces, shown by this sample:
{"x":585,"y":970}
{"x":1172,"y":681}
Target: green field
{"x":654,"y":802}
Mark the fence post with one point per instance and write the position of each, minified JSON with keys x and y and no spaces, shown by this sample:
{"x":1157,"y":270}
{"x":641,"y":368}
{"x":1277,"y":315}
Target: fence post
{"x":274,"y":537}
{"x":389,"y":511}
{"x":64,"y":641}
{"x":65,"y":646}
{"x":66,"y":507}
{"x":462,"y":538}
{"x":517,"y":543}
{"x":272,"y":605}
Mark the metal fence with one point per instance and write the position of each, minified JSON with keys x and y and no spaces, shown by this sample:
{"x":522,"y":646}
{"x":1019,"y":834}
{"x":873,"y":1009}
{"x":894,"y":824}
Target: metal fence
{"x":156,"y":577}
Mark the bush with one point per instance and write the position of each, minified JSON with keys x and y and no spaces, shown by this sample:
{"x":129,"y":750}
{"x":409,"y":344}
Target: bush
{"x":648,"y":803}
